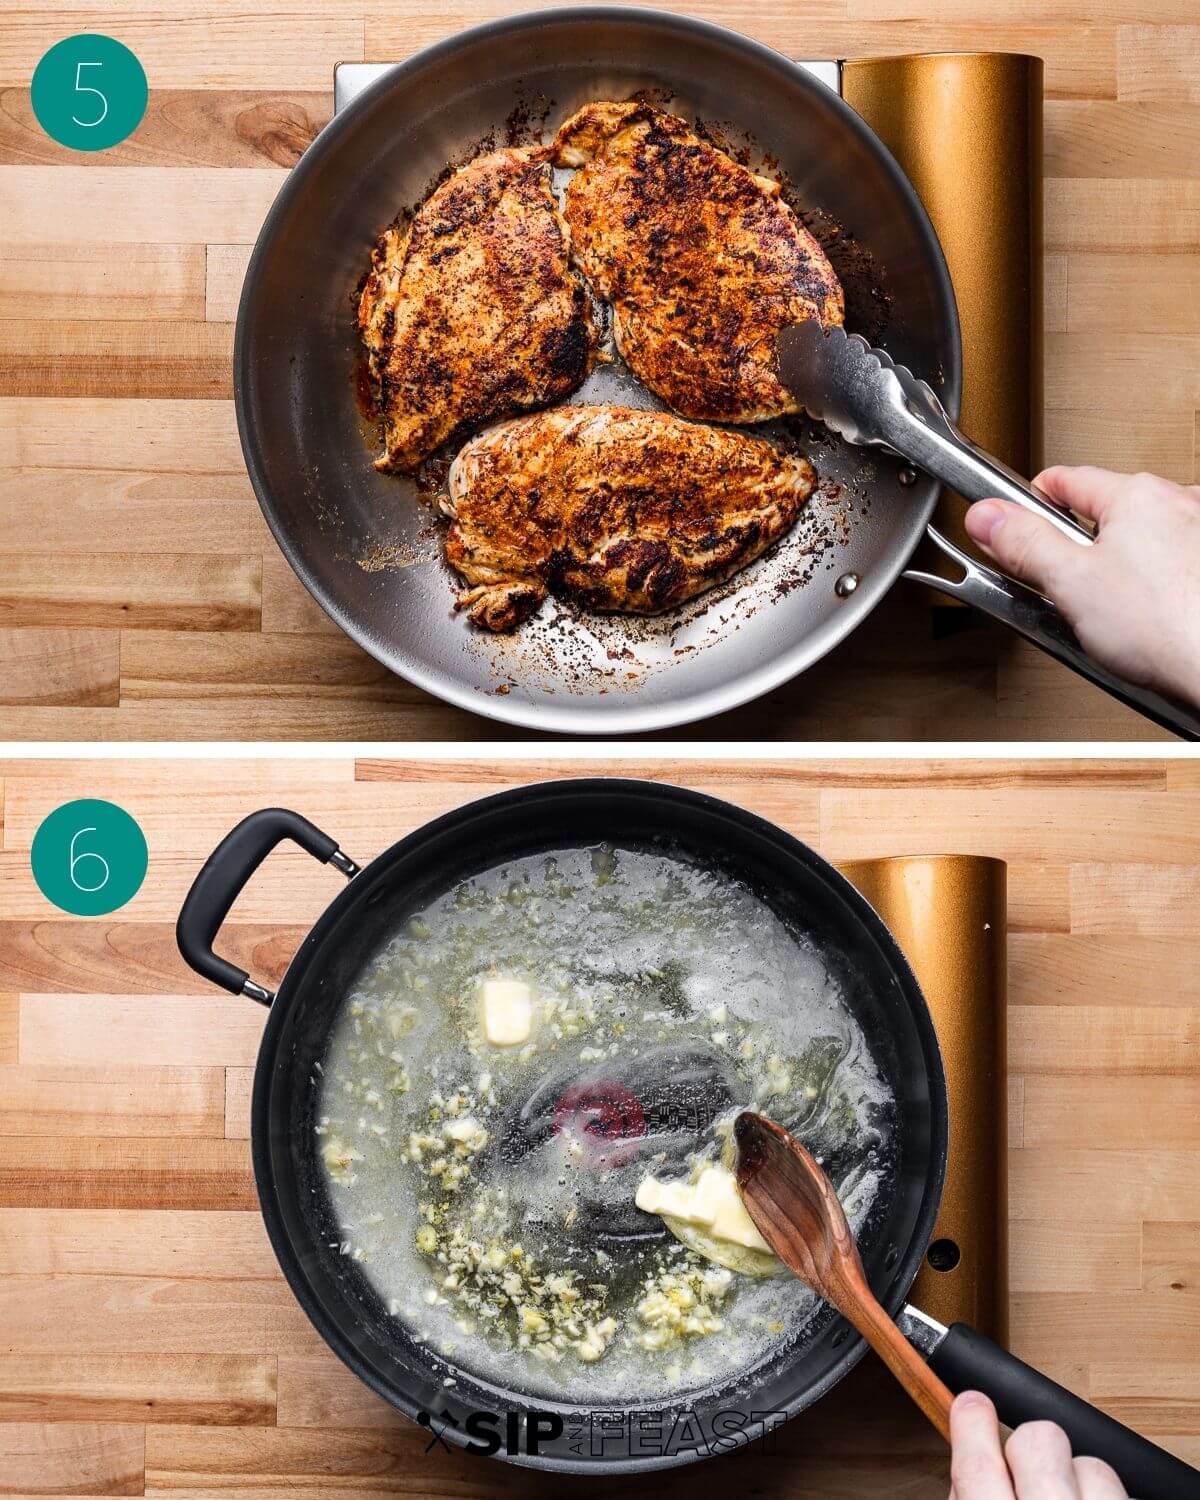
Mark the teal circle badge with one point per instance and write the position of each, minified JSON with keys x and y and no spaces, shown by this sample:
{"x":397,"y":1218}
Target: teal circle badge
{"x":89,"y":92}
{"x":89,"y":857}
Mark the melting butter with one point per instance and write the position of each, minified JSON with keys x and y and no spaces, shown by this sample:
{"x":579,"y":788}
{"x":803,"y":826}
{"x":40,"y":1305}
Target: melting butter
{"x":712,"y":1203}
{"x":507,"y":1008}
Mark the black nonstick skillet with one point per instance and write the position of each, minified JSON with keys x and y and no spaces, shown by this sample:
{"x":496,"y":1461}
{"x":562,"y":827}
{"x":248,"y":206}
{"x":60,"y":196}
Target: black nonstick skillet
{"x":829,"y":917}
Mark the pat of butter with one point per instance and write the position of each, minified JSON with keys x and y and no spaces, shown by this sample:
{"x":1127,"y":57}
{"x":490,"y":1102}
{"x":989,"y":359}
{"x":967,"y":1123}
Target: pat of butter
{"x":712,"y":1202}
{"x":507,"y":1011}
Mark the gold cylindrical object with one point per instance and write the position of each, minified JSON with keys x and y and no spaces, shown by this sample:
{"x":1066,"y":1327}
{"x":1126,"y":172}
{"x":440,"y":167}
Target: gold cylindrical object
{"x":949,"y":915}
{"x":966,"y":128}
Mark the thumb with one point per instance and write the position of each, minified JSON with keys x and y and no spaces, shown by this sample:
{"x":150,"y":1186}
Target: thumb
{"x":1024,"y":545}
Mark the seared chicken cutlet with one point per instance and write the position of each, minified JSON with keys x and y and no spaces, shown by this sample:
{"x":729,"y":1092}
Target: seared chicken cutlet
{"x":621,"y":510}
{"x":702,"y":261}
{"x":472,"y":312}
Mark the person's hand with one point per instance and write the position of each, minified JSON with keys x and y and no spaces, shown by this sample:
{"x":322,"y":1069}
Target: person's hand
{"x":1133,"y":597}
{"x":1035,"y":1463}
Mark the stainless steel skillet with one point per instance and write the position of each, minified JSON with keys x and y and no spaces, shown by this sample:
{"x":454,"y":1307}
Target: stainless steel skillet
{"x":370,"y":553}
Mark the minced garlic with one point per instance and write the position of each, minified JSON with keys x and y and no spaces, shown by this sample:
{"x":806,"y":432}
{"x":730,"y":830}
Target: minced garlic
{"x":677,"y":1305}
{"x":339,"y":1159}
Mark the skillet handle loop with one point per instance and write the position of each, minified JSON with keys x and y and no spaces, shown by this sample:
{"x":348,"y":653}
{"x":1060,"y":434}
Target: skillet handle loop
{"x":966,"y":1360}
{"x":221,"y":880}
{"x":1030,"y":614}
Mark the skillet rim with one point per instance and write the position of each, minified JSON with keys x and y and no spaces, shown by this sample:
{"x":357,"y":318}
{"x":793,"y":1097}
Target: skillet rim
{"x":558,"y":717}
{"x":541,"y":796}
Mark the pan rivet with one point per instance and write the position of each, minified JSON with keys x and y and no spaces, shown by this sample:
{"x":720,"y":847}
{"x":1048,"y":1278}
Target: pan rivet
{"x":846,"y":585}
{"x":908,"y":476}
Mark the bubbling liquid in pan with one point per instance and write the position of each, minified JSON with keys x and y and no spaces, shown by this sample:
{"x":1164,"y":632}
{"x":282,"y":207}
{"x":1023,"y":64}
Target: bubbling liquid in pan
{"x":488,"y":1191}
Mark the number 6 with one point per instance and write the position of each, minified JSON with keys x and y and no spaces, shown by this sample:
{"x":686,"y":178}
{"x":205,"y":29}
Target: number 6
{"x":86,"y":88}
{"x":78,"y":859}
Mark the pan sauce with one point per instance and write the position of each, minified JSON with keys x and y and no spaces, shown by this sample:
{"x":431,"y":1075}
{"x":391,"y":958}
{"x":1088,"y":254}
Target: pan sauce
{"x":488,"y":1192}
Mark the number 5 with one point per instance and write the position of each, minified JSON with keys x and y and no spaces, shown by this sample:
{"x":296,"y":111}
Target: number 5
{"x":86,"y":88}
{"x":78,"y":859}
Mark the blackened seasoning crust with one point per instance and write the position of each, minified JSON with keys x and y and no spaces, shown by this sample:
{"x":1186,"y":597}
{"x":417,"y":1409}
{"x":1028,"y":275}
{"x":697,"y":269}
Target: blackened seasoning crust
{"x":472,"y":312}
{"x":702,"y":261}
{"x":618,"y":510}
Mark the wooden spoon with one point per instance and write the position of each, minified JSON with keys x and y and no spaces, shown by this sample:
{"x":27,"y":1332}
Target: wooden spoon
{"x":797,"y":1212}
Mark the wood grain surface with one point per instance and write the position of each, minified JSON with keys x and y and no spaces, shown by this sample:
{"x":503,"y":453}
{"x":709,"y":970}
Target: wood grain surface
{"x":149,"y":1345}
{"x":141,"y":596}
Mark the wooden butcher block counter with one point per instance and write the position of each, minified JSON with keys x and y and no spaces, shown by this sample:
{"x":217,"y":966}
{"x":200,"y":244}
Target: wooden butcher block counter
{"x":148,"y":1344}
{"x":141,"y":595}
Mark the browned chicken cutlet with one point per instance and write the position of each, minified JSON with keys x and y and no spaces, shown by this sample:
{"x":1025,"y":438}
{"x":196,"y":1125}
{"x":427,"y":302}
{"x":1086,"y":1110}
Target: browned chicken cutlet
{"x":620,"y":510}
{"x":702,"y":261}
{"x":472,"y":311}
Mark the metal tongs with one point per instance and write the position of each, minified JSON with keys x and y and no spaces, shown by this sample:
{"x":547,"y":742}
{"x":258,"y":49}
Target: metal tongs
{"x":860,"y":393}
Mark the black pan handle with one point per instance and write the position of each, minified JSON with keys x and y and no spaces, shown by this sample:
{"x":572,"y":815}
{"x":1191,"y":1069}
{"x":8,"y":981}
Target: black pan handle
{"x":220,"y":882}
{"x":1030,"y":614}
{"x":967,"y":1361}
